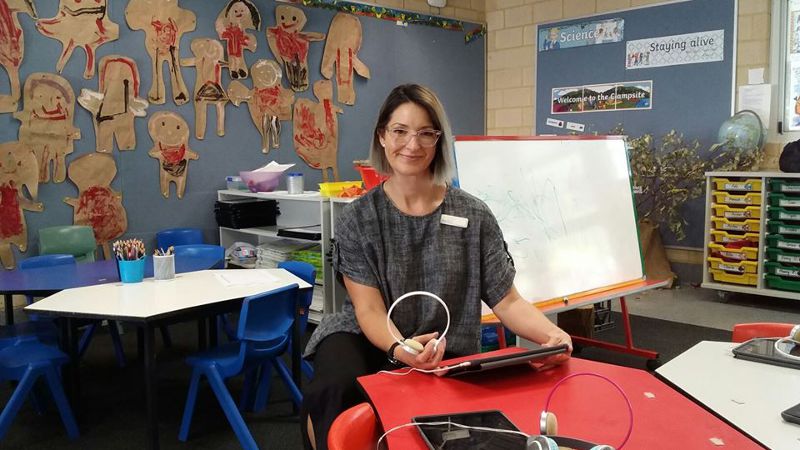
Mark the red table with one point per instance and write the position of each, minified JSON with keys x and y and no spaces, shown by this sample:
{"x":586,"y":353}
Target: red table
{"x":587,"y":407}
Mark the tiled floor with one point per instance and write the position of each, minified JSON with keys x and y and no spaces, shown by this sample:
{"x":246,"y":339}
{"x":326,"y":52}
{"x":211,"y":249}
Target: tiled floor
{"x":706,"y":307}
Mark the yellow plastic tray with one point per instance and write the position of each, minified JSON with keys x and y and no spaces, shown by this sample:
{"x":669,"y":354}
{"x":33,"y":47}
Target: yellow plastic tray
{"x":730,"y":212}
{"x":333,"y":189}
{"x":748,"y":185}
{"x":750,"y":279}
{"x":752,"y":198}
{"x":726,"y":238}
{"x":733,"y":267}
{"x":741,"y":254}
{"x":749,"y":225}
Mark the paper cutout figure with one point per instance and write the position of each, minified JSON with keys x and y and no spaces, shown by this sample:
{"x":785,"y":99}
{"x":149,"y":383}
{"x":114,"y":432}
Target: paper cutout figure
{"x":80,"y":23}
{"x":170,"y":135}
{"x":269,"y":102}
{"x":163,"y":23}
{"x":232,"y":24}
{"x":46,"y":116}
{"x":12,"y":46}
{"x":115,"y":104}
{"x":344,"y":41}
{"x":18,"y":169}
{"x":97,"y":205}
{"x":290,"y":45}
{"x":316,"y":130}
{"x":208,"y":90}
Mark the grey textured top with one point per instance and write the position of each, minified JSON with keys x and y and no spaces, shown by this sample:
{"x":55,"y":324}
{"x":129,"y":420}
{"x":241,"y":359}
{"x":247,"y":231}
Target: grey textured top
{"x":378,"y":245}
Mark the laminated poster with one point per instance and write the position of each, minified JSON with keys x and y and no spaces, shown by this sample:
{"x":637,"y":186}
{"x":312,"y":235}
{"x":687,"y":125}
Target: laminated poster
{"x":691,"y":48}
{"x":581,"y":34}
{"x":625,"y":95}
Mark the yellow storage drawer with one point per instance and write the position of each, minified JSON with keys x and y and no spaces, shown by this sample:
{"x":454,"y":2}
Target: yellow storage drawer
{"x":750,"y":279}
{"x":734,"y":267}
{"x":737,"y":253}
{"x":746,"y":185}
{"x":749,"y":225}
{"x":730,"y":238}
{"x":730,"y":212}
{"x":752,"y":198}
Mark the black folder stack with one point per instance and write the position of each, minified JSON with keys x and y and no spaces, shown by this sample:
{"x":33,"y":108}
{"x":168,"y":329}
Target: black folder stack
{"x":246,"y":213}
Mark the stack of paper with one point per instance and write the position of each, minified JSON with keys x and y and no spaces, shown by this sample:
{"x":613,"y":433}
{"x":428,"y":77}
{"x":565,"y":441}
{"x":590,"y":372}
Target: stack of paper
{"x":269,"y":254}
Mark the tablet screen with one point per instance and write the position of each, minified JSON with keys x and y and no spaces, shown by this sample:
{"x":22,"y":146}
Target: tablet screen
{"x":763,"y":349}
{"x":452,"y":437}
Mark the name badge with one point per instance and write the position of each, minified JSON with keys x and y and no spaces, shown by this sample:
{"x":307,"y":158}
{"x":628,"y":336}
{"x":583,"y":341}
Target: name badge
{"x":460,"y":222}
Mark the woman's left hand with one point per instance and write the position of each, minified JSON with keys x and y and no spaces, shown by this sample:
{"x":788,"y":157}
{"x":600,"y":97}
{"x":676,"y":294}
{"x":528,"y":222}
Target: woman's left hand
{"x":557,"y":336}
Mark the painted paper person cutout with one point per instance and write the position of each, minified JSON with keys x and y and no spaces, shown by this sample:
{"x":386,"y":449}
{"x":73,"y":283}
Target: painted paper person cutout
{"x":163,"y":23}
{"x":18,"y":169}
{"x":341,"y":48}
{"x":97,"y":205}
{"x":233,"y":22}
{"x":115,"y":104}
{"x":80,"y":23}
{"x":48,"y":110}
{"x":208,"y":89}
{"x":316,"y":130}
{"x":12,"y":47}
{"x":170,"y":135}
{"x":269,"y":102}
{"x":290,"y":45}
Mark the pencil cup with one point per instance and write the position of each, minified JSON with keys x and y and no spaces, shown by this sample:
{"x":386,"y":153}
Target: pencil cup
{"x":164,"y":267}
{"x":131,"y":271}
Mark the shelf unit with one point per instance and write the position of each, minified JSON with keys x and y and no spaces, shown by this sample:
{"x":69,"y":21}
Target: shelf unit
{"x":741,"y":210}
{"x":295,"y":210}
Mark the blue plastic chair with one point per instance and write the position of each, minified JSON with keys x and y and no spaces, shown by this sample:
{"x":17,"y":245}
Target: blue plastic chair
{"x":57,"y":259}
{"x":307,"y":273}
{"x":208,"y":251}
{"x":178,"y":236}
{"x":26,"y":362}
{"x":265,"y":324}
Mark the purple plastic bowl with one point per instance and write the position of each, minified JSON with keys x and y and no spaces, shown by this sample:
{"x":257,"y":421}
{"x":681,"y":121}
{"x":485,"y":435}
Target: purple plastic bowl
{"x":261,"y":181}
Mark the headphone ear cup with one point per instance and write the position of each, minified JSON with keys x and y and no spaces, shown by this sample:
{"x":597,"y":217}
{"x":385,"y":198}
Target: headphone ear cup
{"x":548,"y":424}
{"x":540,"y":443}
{"x":795,"y":333}
{"x":412,"y":346}
{"x":602,"y":447}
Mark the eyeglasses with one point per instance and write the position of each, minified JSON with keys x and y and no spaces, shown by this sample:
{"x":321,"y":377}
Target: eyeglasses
{"x":425,"y":138}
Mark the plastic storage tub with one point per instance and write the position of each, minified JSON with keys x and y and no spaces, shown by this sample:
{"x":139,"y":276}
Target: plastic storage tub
{"x":785,"y":201}
{"x":737,"y":253}
{"x":750,"y":279}
{"x":370,"y":177}
{"x":735,"y":267}
{"x":778,"y":241}
{"x":752,"y":198}
{"x":788,"y":186}
{"x":776,"y":282}
{"x":783,"y":256}
{"x":733,"y":238}
{"x":750,"y":225}
{"x":776,"y":213}
{"x":333,"y":189}
{"x":778,"y":227}
{"x":730,"y":212}
{"x":747,"y":185}
{"x":780,"y":270}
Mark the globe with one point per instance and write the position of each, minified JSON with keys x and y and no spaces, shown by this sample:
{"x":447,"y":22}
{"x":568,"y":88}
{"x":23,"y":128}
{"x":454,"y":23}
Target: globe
{"x":743,"y":131}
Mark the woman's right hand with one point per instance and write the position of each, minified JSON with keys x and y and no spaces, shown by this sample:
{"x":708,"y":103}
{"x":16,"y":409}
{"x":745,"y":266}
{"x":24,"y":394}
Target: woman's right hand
{"x":429,"y":358}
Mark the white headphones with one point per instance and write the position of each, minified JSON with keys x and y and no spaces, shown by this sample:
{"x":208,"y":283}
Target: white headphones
{"x":794,"y":338}
{"x":410,"y":345}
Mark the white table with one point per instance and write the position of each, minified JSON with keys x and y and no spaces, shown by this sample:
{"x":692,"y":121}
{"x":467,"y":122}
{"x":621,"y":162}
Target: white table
{"x":152,"y":303}
{"x":749,"y":395}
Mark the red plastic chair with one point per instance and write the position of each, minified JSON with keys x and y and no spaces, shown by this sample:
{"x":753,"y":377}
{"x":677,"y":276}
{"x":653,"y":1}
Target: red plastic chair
{"x":354,"y":429}
{"x":746,"y":331}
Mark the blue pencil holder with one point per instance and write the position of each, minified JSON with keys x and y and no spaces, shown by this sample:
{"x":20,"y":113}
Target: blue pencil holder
{"x":131,"y":271}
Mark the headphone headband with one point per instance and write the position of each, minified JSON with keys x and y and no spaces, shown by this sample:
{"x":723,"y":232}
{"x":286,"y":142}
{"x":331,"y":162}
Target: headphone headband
{"x":410,"y":294}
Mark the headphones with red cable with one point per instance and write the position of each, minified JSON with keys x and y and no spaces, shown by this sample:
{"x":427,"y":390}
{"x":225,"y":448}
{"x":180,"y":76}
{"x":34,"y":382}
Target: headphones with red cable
{"x":548,"y":424}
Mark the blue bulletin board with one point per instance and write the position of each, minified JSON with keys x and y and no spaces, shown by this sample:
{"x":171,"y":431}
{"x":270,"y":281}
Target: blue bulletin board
{"x":395,"y":54}
{"x":690,"y":93}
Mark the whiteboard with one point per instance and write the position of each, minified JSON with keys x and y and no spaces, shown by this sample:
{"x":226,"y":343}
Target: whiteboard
{"x":565,"y":207}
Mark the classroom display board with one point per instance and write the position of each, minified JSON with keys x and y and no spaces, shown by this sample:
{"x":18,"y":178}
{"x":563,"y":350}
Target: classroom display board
{"x":565,"y":206}
{"x":395,"y":54}
{"x":651,"y":70}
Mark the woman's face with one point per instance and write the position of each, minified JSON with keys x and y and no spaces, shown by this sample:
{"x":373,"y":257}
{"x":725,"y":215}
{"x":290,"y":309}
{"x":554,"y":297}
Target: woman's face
{"x":408,"y":158}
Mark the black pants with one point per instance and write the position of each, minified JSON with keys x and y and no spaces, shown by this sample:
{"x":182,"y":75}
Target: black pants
{"x":340,"y":358}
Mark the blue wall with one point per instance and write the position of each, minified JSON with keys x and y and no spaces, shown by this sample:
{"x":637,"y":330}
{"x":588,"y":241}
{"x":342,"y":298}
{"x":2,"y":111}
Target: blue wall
{"x":432,"y":56}
{"x":693,"y":99}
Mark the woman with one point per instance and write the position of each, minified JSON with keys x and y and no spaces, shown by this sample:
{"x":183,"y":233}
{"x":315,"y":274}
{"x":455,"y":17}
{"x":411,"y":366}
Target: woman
{"x":409,"y":234}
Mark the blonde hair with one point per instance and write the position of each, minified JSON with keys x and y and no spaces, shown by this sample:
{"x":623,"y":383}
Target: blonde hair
{"x":442,"y":164}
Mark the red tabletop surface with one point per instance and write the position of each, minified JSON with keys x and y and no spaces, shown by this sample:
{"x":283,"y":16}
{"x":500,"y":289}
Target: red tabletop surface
{"x":587,"y":407}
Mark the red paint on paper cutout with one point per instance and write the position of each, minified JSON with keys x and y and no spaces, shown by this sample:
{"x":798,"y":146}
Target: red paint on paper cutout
{"x":10,"y":211}
{"x":172,"y":154}
{"x":100,"y":208}
{"x":10,"y":51}
{"x":236,"y":40}
{"x":291,"y":45}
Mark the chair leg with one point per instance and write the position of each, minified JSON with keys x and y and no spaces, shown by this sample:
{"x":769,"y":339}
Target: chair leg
{"x":115,"y":339}
{"x":283,"y":371}
{"x":230,"y":410}
{"x":165,"y":336}
{"x":17,"y":399}
{"x":264,"y":386}
{"x":245,"y":401}
{"x":226,"y":326}
{"x":188,"y":410}
{"x":86,"y":337}
{"x":61,"y":401}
